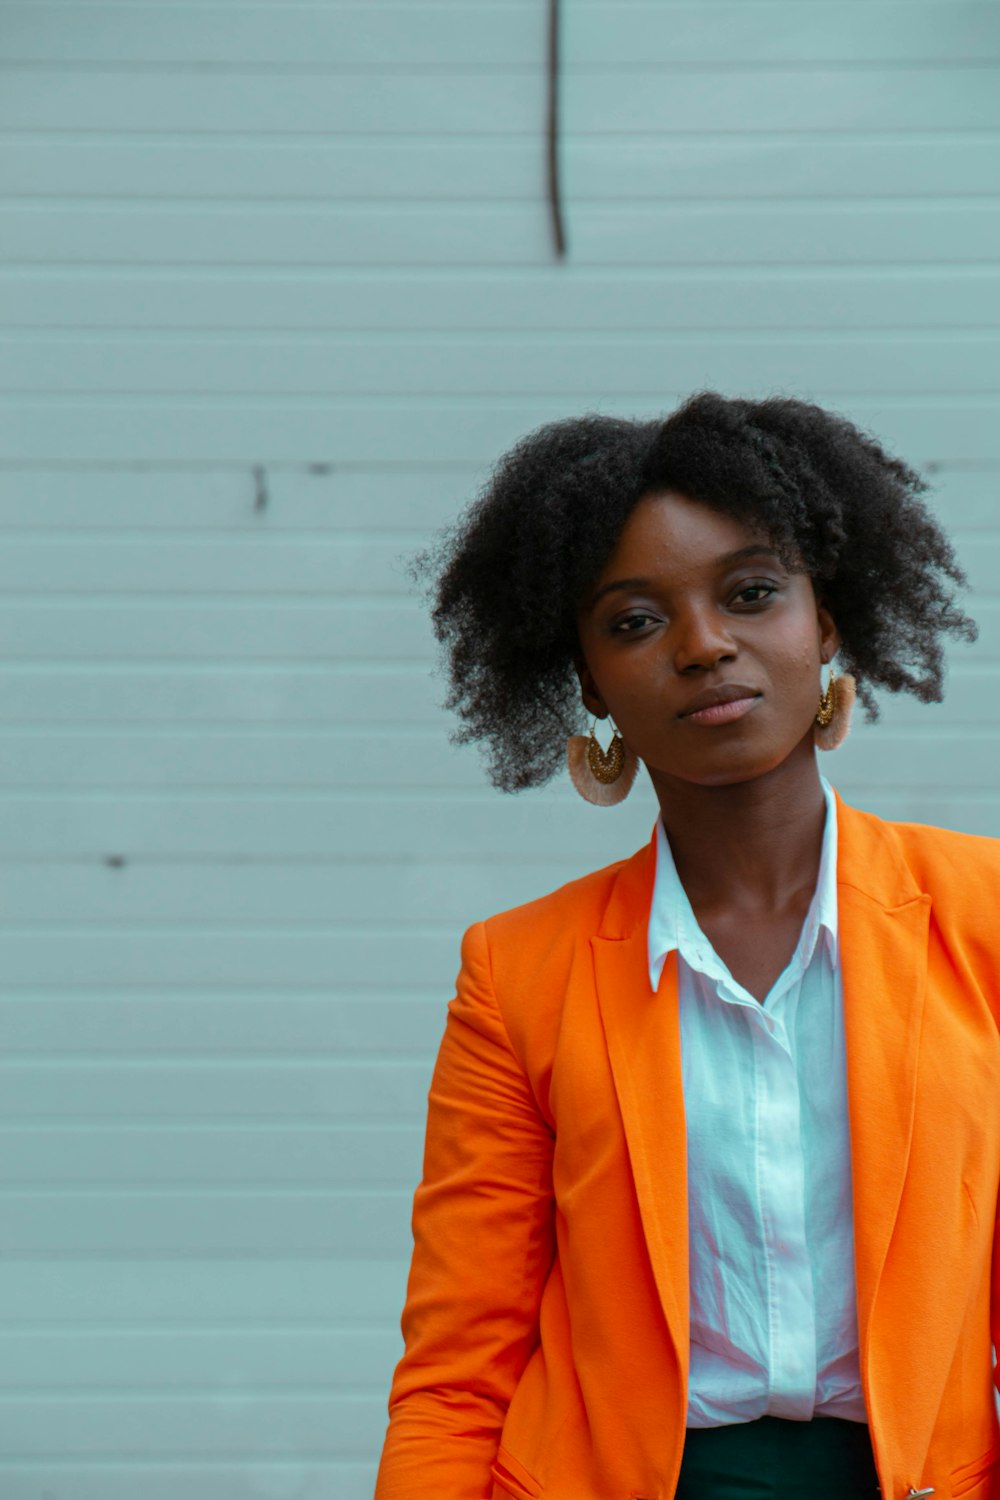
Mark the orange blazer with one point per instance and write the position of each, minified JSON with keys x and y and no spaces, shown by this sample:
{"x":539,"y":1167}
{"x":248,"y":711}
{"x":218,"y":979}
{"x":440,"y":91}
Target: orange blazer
{"x":546,"y":1319}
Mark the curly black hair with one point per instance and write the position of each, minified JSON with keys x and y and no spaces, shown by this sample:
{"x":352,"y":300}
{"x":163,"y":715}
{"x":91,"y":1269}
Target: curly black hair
{"x":508,"y":578}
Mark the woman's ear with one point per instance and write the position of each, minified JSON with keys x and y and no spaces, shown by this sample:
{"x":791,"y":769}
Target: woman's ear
{"x":592,"y":700}
{"x":829,"y":635}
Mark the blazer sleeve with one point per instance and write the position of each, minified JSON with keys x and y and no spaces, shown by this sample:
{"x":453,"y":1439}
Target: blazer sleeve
{"x":995,"y":1302}
{"x":483,"y":1231}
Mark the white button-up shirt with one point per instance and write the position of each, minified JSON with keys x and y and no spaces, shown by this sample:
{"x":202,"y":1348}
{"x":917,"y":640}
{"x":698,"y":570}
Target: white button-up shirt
{"x":772,"y":1289}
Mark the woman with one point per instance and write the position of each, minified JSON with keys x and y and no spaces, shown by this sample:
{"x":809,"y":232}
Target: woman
{"x":710,"y":1192}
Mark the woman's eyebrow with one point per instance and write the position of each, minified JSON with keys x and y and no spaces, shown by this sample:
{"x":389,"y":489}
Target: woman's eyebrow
{"x":757,"y":549}
{"x":619,"y":584}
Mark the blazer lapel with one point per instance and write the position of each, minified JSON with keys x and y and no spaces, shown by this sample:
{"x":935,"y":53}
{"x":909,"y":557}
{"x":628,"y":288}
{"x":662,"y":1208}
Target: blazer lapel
{"x":642,"y":1031}
{"x":884,"y":925}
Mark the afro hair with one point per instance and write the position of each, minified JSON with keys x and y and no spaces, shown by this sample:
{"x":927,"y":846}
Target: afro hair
{"x":507,"y":580}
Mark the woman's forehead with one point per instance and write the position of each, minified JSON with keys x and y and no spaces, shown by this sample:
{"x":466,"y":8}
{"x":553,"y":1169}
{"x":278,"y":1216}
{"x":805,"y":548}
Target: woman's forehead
{"x":673,"y":526}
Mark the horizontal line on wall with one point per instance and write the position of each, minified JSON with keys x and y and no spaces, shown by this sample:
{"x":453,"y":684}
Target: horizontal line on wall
{"x":527,"y":136}
{"x":332,"y":1062}
{"x":86,"y":1460}
{"x":370,"y":792}
{"x":391,"y":5}
{"x":614,"y":268}
{"x":264,"y":599}
{"x":479,"y":274}
{"x":351,"y":993}
{"x":405,"y":604}
{"x":139,"y":664}
{"x":288,"y":860}
{"x":129,"y":1327}
{"x":205,"y":1190}
{"x":385,"y":796}
{"x":501,"y":338}
{"x":277,"y":204}
{"x":337,"y":470}
{"x":320,"y":469}
{"x":132,"y":1187}
{"x":331,"y":797}
{"x":208,"y":1192}
{"x":269,"y":731}
{"x":161,"y":1257}
{"x":80,"y":667}
{"x":116,"y":1120}
{"x":217,"y":1394}
{"x":432,"y":800}
{"x":287,"y":726}
{"x":775,"y":269}
{"x":243,"y":530}
{"x":707,"y":67}
{"x":181,"y":1187}
{"x":502,"y":401}
{"x":263,"y":1056}
{"x":173,"y":1127}
{"x":317,"y":1262}
{"x":658,"y":263}
{"x":375,"y":69}
{"x":444,"y":396}
{"x":956,"y":730}
{"x":519,"y":201}
{"x":378,"y":392}
{"x":419,"y":139}
{"x":201,"y":667}
{"x":465,"y":339}
{"x":194,"y":1061}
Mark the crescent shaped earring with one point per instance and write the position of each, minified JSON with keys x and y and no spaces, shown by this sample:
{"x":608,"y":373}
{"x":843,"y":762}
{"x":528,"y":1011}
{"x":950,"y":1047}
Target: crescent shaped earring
{"x":833,"y":716}
{"x":602,"y":777}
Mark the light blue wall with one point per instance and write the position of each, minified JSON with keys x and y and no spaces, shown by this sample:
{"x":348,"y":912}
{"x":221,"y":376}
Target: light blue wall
{"x":276,"y":286}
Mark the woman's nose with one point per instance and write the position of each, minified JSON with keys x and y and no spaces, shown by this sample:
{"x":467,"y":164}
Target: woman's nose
{"x":701,"y":642}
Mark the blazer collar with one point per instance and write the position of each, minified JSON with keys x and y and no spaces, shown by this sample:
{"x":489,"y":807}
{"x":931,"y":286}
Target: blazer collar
{"x":884,"y":920}
{"x":869,"y":860}
{"x":627,"y":910}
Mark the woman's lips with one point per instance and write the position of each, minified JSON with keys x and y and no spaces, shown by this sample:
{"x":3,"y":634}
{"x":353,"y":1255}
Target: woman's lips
{"x":722,"y":713}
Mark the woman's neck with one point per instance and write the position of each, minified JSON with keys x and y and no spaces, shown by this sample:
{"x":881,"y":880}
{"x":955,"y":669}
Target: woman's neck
{"x":753,"y":845}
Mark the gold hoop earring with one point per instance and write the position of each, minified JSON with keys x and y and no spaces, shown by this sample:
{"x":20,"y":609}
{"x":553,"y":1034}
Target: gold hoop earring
{"x":833,"y":716}
{"x":602,"y":777}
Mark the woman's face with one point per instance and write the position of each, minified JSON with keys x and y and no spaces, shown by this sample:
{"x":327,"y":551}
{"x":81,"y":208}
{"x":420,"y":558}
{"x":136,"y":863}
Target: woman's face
{"x":702,"y":646}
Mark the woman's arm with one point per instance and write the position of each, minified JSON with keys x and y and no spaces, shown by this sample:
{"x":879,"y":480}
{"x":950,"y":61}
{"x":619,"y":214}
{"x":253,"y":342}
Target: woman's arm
{"x":483,"y":1245}
{"x":995,"y":1303}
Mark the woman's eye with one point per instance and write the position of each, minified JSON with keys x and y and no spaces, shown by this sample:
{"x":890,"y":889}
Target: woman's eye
{"x":756,"y":593}
{"x":629,"y":623}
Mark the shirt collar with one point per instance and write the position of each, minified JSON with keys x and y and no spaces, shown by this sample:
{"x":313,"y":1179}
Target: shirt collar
{"x":672,"y":923}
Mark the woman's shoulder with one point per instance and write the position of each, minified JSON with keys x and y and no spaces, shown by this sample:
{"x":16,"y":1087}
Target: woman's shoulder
{"x":578,"y":905}
{"x":959,"y":871}
{"x":936,"y":851}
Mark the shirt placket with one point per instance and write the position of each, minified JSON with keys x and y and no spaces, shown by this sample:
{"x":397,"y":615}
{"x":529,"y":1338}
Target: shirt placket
{"x":780,"y":1168}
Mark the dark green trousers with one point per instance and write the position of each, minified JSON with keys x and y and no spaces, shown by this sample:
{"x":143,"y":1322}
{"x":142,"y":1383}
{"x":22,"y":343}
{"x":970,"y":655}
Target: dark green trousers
{"x":772,"y":1459}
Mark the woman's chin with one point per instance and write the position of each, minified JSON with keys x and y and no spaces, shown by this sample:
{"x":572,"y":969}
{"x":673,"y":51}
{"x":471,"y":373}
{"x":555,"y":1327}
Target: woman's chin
{"x":732,"y":764}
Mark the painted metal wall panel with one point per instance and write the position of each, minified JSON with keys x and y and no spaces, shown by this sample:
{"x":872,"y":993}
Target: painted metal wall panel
{"x":276,"y":286}
{"x":383,"y":36}
{"x":858,"y":299}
